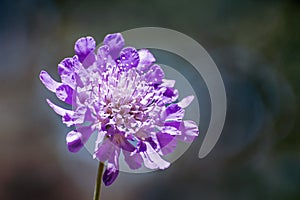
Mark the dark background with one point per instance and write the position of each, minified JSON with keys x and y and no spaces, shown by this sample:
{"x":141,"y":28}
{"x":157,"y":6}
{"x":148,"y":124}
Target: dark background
{"x":256,"y":46}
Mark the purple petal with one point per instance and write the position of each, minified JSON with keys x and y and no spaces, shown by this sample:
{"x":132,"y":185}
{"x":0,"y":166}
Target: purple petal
{"x":86,"y":132}
{"x":68,"y":80}
{"x":103,"y":53}
{"x":170,"y":130}
{"x":168,"y":83}
{"x":170,"y":95}
{"x":175,"y":124}
{"x":48,"y":81}
{"x":170,"y":92}
{"x":142,"y":146}
{"x":173,"y":108}
{"x":74,"y":141}
{"x":127,"y":146}
{"x":112,"y":169}
{"x":79,"y":100}
{"x":67,"y":66}
{"x":102,"y":57}
{"x":167,"y":142}
{"x":84,"y":48}
{"x":134,"y":160}
{"x":120,"y":140}
{"x":82,"y":78}
{"x":128,"y":59}
{"x":152,"y":159}
{"x":189,"y":131}
{"x":146,"y":60}
{"x":164,"y":139}
{"x":110,"y":174}
{"x":151,"y":142}
{"x":155,"y":74}
{"x":99,"y":140}
{"x":64,"y":93}
{"x":185,"y":102}
{"x":174,"y":113}
{"x":115,"y":42}
{"x":83,"y":115}
{"x":66,"y":70}
{"x":67,"y":115}
{"x":105,"y":150}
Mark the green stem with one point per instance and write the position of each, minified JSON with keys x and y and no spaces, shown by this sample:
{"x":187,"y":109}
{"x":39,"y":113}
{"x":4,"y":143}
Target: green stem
{"x":98,"y":182}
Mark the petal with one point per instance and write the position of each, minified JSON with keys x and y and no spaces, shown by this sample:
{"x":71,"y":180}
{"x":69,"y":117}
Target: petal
{"x":168,"y":83}
{"x":170,"y":130}
{"x":115,"y":42}
{"x":103,"y":53}
{"x":174,"y":113}
{"x":134,"y":160}
{"x":66,"y":70}
{"x":110,"y":174}
{"x":82,"y":78}
{"x":142,"y":146}
{"x":164,"y":139}
{"x":105,"y":150}
{"x":152,"y":159}
{"x":170,"y":95}
{"x":112,"y":169}
{"x":146,"y":60}
{"x":81,"y":97}
{"x":155,"y":74}
{"x":151,"y":142}
{"x":74,"y":141}
{"x":66,"y":66}
{"x":64,"y":93}
{"x":185,"y":102}
{"x":67,"y":115}
{"x":68,"y":80}
{"x":167,"y":142}
{"x":120,"y":140}
{"x":48,"y":81}
{"x":128,"y":59}
{"x":189,"y":131}
{"x":83,"y":115}
{"x":127,"y":146}
{"x":86,"y":132}
{"x":100,"y":138}
{"x":102,"y":57}
{"x":175,"y":124}
{"x":84,"y":48}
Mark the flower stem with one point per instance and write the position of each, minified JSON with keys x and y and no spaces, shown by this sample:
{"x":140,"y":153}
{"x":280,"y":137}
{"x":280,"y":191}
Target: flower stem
{"x":98,"y":182}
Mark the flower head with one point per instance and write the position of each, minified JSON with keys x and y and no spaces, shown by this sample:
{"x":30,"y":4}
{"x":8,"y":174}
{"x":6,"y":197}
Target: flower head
{"x":120,"y":94}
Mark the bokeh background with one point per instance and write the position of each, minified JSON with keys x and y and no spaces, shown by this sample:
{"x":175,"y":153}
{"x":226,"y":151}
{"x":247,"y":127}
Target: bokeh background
{"x":256,"y":45}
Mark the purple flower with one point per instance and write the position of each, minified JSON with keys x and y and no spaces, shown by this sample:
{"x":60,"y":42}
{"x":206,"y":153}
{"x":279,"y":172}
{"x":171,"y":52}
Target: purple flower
{"x":121,"y":95}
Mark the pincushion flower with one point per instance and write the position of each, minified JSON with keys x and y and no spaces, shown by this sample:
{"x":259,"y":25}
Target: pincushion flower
{"x":120,"y":94}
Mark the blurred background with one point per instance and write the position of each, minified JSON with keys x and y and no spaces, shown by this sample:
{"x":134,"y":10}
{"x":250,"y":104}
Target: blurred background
{"x":256,"y":46}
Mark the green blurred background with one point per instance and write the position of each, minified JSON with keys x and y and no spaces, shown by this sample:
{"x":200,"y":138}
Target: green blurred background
{"x":256,"y":45}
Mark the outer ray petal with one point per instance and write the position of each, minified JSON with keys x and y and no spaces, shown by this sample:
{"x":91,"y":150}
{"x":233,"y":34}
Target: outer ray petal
{"x":166,"y":142}
{"x":112,"y":169}
{"x":48,"y":81}
{"x":134,"y":160}
{"x":189,"y":131}
{"x":67,"y":115}
{"x":152,"y":159}
{"x":185,"y":102}
{"x":65,"y":93}
{"x":146,"y":60}
{"x":84,"y":47}
{"x":74,"y":141}
{"x":115,"y":42}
